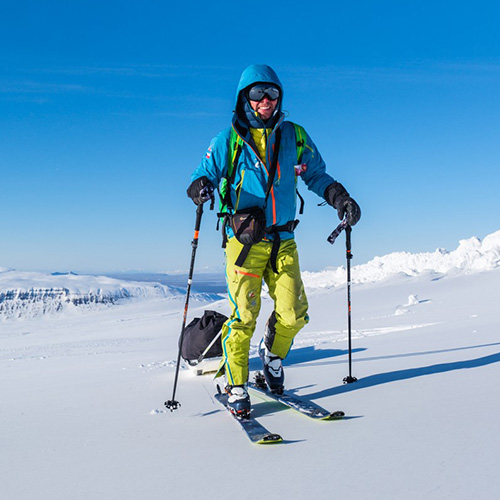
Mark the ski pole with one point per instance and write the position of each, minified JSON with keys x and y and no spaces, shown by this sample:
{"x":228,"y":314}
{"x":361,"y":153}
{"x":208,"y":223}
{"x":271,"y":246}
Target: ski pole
{"x":349,"y":379}
{"x":331,"y":239}
{"x":172,"y":404}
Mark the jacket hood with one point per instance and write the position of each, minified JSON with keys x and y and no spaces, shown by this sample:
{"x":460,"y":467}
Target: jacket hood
{"x":256,"y":73}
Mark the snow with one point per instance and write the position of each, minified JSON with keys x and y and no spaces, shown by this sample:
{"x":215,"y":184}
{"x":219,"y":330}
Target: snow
{"x":82,"y":394}
{"x":471,"y":255}
{"x":77,"y":285}
{"x":31,"y":294}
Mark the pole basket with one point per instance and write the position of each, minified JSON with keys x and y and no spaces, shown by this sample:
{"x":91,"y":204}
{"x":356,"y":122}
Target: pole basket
{"x":172,"y":404}
{"x":350,"y":380}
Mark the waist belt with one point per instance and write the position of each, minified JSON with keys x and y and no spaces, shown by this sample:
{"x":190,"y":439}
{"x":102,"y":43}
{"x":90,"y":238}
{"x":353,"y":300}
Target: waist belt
{"x":275,"y":231}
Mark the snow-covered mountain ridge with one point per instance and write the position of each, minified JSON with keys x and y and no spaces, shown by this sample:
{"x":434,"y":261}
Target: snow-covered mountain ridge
{"x":30,"y":294}
{"x":471,"y":255}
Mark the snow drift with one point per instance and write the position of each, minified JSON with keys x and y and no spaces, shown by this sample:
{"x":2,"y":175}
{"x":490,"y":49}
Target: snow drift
{"x":471,"y":255}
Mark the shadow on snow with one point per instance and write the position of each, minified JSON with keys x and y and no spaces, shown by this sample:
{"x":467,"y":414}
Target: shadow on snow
{"x":324,"y":357}
{"x":397,"y":375}
{"x":304,"y":355}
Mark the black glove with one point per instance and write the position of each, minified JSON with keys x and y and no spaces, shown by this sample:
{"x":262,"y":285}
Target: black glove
{"x":200,"y":190}
{"x":336,"y":196}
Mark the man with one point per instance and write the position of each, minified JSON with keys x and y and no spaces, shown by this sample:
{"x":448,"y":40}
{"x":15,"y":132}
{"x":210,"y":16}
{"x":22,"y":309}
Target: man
{"x":255,"y":166}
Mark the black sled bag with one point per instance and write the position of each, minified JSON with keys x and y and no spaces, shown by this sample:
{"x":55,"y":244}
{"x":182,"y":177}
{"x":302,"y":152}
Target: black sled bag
{"x":199,"y":334}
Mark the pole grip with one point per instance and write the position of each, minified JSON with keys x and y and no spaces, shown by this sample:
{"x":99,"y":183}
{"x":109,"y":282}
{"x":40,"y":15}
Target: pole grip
{"x":199,"y":213}
{"x":348,"y":231}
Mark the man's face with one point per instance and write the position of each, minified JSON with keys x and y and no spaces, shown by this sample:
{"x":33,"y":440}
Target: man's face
{"x":264,"y":108}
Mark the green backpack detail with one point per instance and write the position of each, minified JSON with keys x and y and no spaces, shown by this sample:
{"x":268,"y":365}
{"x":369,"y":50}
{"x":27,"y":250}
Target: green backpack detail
{"x":235,"y":147}
{"x":301,"y":138}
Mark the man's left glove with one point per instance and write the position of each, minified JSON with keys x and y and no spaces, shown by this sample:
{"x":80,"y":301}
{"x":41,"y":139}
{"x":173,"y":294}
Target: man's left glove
{"x":200,"y":190}
{"x":336,"y":196}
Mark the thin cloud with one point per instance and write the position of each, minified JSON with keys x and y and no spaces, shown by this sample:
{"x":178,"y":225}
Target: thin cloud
{"x":137,"y":70}
{"x":32,"y":87}
{"x":175,"y":114}
{"x":430,"y":73}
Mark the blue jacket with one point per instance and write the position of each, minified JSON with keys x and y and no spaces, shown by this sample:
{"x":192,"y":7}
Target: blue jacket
{"x":252,"y":173}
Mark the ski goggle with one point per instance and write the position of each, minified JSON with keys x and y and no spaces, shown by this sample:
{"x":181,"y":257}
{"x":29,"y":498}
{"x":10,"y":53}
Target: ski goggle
{"x":259,"y":91}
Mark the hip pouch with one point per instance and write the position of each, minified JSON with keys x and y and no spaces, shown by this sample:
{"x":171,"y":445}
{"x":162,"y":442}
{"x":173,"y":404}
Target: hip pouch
{"x":249,"y":225}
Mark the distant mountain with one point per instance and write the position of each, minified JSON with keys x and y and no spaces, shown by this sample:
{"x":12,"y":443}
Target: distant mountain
{"x":29,"y":294}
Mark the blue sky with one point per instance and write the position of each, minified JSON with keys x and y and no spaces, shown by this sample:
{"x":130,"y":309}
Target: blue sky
{"x":107,"y":107}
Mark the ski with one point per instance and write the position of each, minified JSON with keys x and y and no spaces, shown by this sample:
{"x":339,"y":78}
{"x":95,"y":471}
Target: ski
{"x":303,"y":406}
{"x":255,"y":431}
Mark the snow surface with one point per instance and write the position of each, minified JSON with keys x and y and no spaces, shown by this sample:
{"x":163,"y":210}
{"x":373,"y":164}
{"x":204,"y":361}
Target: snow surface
{"x":82,"y":413}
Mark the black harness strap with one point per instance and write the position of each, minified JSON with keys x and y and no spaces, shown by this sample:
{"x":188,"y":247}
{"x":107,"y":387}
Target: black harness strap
{"x":301,"y":209}
{"x":275,"y":231}
{"x":243,"y":255}
{"x":274,"y":165}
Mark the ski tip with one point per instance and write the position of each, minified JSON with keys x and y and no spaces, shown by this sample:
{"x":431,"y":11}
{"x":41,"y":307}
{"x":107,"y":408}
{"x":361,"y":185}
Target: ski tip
{"x":335,"y":415}
{"x":270,"y":439}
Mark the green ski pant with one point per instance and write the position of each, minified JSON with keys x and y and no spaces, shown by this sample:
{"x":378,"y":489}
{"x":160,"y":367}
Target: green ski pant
{"x":244,"y":287}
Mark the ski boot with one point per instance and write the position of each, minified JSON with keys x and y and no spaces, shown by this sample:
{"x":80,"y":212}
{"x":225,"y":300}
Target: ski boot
{"x":272,"y":368}
{"x":238,"y":401}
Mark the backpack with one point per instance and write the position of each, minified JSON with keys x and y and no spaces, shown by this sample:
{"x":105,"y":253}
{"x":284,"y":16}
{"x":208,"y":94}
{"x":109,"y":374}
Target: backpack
{"x":202,"y":337}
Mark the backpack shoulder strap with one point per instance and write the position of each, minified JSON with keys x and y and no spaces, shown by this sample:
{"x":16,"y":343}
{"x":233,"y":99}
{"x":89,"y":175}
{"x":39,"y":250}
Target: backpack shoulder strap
{"x":235,"y":146}
{"x":274,"y":164}
{"x":301,"y":141}
{"x":234,"y":151}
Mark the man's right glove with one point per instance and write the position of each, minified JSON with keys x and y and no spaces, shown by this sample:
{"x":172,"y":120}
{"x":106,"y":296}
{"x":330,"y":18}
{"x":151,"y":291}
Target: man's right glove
{"x":336,"y":196}
{"x":200,"y":190}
